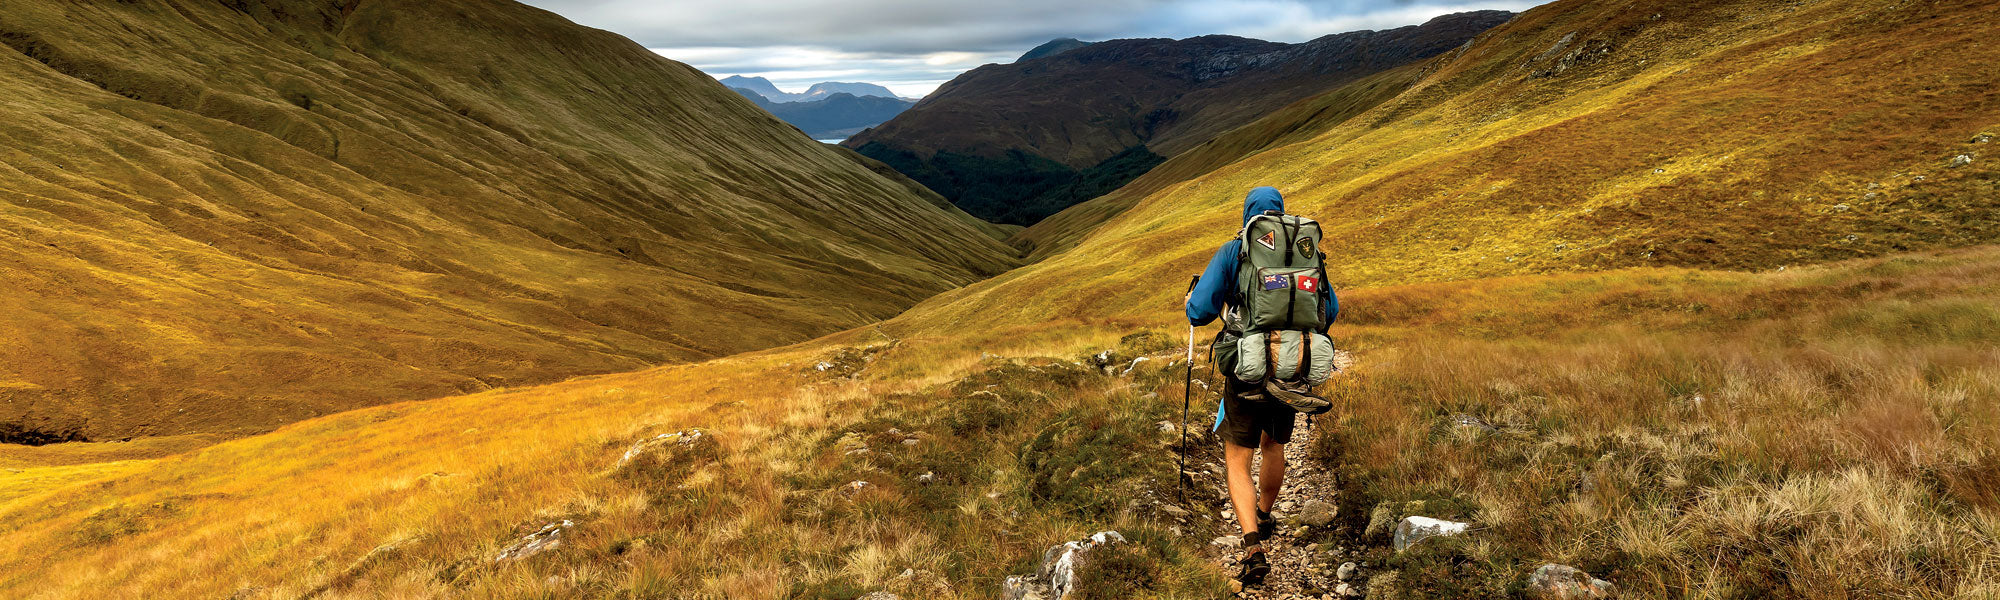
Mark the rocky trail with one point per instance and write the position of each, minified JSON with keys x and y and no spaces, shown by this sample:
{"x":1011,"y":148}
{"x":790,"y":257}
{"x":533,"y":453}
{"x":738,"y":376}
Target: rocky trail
{"x":1300,"y":569}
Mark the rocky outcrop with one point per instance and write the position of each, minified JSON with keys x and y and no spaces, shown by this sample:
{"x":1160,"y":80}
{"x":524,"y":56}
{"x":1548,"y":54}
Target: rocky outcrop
{"x":1057,"y":576}
{"x":667,"y":455}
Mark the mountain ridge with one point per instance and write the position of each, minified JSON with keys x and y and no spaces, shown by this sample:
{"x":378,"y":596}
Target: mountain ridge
{"x":1017,"y":142}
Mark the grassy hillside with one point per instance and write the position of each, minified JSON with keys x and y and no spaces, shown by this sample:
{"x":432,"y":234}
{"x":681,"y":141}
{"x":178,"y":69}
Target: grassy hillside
{"x":1742,"y":135}
{"x":1685,"y":433}
{"x":220,"y":217}
{"x":1656,"y":376}
{"x":1300,"y":121}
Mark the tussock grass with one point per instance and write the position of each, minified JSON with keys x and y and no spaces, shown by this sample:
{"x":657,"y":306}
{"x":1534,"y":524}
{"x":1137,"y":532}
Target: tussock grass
{"x":1815,"y":432}
{"x":415,"y":499}
{"x":1827,"y":432}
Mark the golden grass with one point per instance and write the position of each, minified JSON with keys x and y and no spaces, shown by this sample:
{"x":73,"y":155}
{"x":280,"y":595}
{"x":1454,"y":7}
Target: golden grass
{"x":1721,"y":134}
{"x":220,"y":220}
{"x":1842,"y":444}
{"x":1819,"y":433}
{"x":1812,"y":432}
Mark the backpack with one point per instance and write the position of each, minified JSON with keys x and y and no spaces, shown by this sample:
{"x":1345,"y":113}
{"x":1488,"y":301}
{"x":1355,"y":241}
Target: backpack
{"x":1278,"y":343}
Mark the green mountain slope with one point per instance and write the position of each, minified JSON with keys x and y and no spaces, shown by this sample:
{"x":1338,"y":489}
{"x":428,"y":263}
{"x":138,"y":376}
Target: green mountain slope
{"x":224,"y":216}
{"x":1736,"y":135}
{"x":1017,"y":142}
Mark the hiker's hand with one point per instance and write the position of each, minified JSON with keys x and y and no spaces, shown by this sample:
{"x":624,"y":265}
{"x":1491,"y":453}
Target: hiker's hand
{"x":1189,"y":298}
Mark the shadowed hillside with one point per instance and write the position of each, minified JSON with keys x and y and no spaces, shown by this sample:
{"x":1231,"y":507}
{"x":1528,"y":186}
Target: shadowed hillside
{"x":219,"y":217}
{"x":1017,"y":142}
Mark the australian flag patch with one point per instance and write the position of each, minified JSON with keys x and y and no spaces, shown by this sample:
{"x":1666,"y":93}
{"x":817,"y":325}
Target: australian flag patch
{"x":1276,"y":282}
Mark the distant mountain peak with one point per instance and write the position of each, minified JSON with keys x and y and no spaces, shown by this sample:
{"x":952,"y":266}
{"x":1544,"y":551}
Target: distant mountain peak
{"x":761,"y":86}
{"x":827,"y":88}
{"x":1052,"y":48}
{"x":819,"y":91}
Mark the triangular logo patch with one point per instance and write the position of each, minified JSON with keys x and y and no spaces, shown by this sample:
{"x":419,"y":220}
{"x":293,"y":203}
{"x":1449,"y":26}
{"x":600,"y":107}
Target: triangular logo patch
{"x":1270,"y":240}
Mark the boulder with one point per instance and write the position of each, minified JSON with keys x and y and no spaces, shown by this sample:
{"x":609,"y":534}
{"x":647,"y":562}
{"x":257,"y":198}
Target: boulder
{"x":667,"y":454}
{"x":1417,"y":529}
{"x":1347,"y":571}
{"x":1056,"y":578}
{"x":1960,"y":161}
{"x":1564,"y":582}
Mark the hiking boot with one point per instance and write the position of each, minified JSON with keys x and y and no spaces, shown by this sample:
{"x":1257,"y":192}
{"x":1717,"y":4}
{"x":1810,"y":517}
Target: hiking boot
{"x":1266,"y":525}
{"x":1297,"y":394}
{"x":1255,"y":564}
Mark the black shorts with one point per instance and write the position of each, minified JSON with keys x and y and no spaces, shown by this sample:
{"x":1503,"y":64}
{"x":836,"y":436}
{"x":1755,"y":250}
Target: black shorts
{"x":1246,"y":422}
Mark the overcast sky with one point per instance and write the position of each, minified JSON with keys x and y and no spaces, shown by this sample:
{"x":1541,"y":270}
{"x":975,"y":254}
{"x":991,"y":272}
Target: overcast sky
{"x":912,"y":46}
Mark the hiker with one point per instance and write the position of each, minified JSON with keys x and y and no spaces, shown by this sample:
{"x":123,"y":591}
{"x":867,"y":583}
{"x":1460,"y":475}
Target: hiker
{"x":1275,"y":264}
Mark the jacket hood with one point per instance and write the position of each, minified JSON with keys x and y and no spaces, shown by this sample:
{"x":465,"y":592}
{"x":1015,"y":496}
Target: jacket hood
{"x":1260,"y":200}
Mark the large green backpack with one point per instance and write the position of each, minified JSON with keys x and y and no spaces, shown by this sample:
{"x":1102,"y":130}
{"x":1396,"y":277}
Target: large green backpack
{"x":1281,"y":278}
{"x":1280,"y":275}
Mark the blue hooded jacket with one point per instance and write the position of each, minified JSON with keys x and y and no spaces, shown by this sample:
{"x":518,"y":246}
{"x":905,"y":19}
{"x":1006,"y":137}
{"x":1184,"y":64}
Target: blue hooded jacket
{"x":1218,"y":282}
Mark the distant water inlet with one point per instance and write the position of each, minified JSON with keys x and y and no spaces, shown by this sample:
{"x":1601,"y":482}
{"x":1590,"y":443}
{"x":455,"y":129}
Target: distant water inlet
{"x":832,"y":141}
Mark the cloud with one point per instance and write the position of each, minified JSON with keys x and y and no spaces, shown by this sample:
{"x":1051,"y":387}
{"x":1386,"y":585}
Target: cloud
{"x":914,"y":45}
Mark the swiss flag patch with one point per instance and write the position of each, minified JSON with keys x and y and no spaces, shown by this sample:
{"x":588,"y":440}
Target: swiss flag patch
{"x":1308,"y":283}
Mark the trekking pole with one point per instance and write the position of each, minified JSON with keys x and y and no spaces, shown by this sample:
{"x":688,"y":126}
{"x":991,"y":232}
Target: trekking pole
{"x":1187,"y":392}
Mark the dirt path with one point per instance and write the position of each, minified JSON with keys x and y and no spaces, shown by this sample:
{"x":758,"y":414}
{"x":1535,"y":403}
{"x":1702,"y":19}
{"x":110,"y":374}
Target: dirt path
{"x":1298,"y":571}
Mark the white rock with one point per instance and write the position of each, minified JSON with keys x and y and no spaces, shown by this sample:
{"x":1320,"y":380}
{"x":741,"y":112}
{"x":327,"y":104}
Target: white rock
{"x":1346,"y":571}
{"x":547,"y":538}
{"x":1416,"y":529}
{"x":1134,"y":365}
{"x":1960,"y":161}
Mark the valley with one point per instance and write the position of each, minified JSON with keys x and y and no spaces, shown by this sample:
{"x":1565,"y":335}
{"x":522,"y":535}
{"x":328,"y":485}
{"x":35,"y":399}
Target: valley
{"x":1696,"y":297}
{"x":371,"y":204}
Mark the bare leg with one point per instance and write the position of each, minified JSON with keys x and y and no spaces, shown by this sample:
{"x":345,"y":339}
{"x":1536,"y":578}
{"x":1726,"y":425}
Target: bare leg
{"x":1272,"y":475}
{"x":1242,"y":494}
